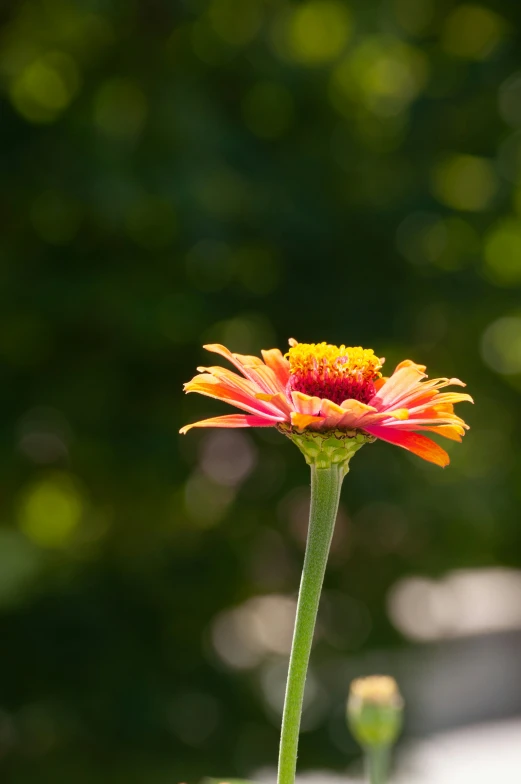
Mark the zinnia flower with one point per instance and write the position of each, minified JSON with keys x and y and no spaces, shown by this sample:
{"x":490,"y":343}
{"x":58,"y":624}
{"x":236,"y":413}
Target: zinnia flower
{"x":320,"y":388}
{"x":330,"y":400}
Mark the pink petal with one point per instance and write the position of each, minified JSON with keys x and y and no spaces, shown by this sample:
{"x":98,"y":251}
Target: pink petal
{"x":402,"y":382}
{"x":232,"y":420}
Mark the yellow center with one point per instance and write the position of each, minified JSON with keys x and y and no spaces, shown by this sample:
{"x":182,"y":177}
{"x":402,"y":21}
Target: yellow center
{"x":339,"y":360}
{"x":337,"y":373}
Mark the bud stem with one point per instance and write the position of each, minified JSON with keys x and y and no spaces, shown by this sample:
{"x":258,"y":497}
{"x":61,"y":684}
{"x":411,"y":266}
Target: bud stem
{"x":377,"y":763}
{"x":326,"y":483}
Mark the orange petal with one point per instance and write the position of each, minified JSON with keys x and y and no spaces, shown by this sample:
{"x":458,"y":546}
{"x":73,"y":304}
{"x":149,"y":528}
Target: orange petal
{"x":378,"y":384}
{"x":253,"y":368}
{"x":453,"y":397}
{"x":332,"y":414}
{"x":230,"y":379}
{"x":232,"y":420}
{"x":406,"y":363}
{"x":355,"y":413}
{"x":279,"y":400}
{"x":446,"y":408}
{"x":211,"y":387}
{"x":242,"y":362}
{"x":439,"y":401}
{"x":401,"y":384}
{"x":275,"y":360}
{"x":399,"y":414}
{"x":414,"y":442}
{"x":301,"y":421}
{"x":267,"y":378}
{"x":427,"y":390}
{"x":453,"y":432}
{"x":306,"y":404}
{"x":356,"y":407}
{"x":434,"y":412}
{"x":419,"y":397}
{"x":216,"y":348}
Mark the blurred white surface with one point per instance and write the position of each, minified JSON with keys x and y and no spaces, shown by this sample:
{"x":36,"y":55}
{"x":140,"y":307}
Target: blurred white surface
{"x":481,"y":754}
{"x":473,"y":755}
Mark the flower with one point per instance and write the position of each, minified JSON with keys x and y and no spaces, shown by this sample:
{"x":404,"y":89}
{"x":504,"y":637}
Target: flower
{"x":375,"y":690}
{"x":374,"y":710}
{"x":320,"y":388}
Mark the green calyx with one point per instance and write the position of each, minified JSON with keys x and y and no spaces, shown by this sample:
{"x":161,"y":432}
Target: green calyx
{"x":326,"y":448}
{"x":375,"y":725}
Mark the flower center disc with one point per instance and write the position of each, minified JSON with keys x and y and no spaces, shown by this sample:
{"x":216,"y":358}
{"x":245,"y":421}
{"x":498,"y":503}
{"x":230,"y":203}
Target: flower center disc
{"x":337,"y":373}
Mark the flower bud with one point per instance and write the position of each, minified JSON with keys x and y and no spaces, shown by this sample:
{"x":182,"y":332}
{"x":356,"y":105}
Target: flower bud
{"x":374,"y":710}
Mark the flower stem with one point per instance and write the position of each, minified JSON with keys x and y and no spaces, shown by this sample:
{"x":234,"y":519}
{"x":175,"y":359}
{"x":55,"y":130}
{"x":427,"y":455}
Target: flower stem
{"x":377,"y":762}
{"x":326,"y":484}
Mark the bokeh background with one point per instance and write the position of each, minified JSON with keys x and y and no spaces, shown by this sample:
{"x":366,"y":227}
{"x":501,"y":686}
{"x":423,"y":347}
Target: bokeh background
{"x":244,"y":171}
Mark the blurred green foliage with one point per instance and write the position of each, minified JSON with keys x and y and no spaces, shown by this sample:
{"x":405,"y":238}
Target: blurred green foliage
{"x":239,"y":171}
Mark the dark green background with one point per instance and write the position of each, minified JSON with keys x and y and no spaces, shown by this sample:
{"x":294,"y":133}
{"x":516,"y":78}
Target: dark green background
{"x":239,"y":171}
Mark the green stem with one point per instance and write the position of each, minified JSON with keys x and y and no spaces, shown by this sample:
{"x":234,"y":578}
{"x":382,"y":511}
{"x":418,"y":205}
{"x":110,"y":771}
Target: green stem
{"x":377,"y":763}
{"x":326,"y":484}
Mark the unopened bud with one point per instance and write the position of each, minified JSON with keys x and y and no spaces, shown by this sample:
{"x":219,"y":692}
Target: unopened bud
{"x":374,"y":710}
